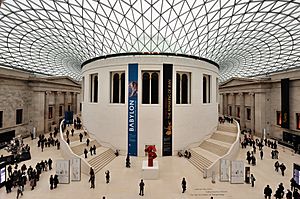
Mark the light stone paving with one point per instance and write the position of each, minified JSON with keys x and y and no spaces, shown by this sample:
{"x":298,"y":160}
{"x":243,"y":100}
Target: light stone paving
{"x":124,"y":181}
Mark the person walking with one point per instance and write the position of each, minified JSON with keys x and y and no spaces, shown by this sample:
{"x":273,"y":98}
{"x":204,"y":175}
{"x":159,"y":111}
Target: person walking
{"x":142,"y":186}
{"x":55,"y":181}
{"x":107,"y":176}
{"x":252,"y":180}
{"x":276,"y":165}
{"x":50,"y":163}
{"x":183,"y":184}
{"x":51,"y":182}
{"x":85,"y":153}
{"x":94,"y":149}
{"x":293,"y":184}
{"x":261,"y":154}
{"x":296,"y":194}
{"x":289,"y":194}
{"x":92,"y":180}
{"x":87,"y":142}
{"x":80,"y":137}
{"x":268,"y":192}
{"x":19,"y":191}
{"x":282,"y":168}
{"x":91,"y":150}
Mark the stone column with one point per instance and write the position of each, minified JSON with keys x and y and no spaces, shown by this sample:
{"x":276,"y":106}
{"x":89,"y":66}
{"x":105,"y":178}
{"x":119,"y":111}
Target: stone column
{"x":225,"y":103}
{"x":233,"y":108}
{"x":66,"y":101}
{"x":74,"y":102}
{"x":242,"y":110}
{"x":46,"y":112}
{"x":56,"y":108}
{"x":221,"y":102}
{"x":252,"y":97}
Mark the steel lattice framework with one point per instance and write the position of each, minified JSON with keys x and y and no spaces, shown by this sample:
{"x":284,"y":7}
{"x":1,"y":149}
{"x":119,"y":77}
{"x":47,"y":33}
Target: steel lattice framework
{"x":246,"y":38}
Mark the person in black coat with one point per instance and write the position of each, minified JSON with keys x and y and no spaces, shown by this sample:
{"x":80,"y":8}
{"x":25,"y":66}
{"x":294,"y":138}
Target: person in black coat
{"x":55,"y":181}
{"x":282,"y":168}
{"x":80,"y":137}
{"x":252,"y":180}
{"x":85,"y":153}
{"x":50,"y":164}
{"x":51,"y":182}
{"x":142,"y":186}
{"x":92,"y":180}
{"x":183,"y":184}
{"x":296,"y":194}
{"x":107,"y":176}
{"x":268,"y":192}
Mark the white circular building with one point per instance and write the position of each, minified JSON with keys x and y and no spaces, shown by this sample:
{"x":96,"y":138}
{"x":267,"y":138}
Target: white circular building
{"x":137,"y":99}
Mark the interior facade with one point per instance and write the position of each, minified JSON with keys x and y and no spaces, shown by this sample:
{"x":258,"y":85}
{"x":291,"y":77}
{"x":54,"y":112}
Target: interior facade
{"x":107,"y":79}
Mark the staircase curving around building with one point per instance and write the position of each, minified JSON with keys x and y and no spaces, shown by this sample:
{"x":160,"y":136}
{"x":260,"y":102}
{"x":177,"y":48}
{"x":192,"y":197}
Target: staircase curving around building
{"x":213,"y":148}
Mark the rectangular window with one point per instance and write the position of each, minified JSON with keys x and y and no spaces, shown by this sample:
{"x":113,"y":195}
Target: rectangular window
{"x":230,"y":110}
{"x":60,"y":110}
{"x":238,"y":110}
{"x":150,"y":87}
{"x":94,"y":88}
{"x":1,"y":119}
{"x":19,"y":116}
{"x":248,"y":113}
{"x":278,"y":118}
{"x":206,"y":88}
{"x":50,"y":112}
{"x":117,"y":87}
{"x":183,"y":88}
{"x":298,"y":121}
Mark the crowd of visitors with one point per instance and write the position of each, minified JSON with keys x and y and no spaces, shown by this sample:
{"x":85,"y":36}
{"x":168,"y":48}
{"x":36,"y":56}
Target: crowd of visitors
{"x":18,"y":178}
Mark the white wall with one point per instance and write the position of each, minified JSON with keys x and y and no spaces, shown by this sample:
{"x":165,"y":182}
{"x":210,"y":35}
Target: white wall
{"x":108,"y":122}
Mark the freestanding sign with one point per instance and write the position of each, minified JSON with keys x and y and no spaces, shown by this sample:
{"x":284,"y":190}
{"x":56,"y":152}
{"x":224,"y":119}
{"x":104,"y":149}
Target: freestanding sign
{"x":76,"y":169}
{"x":132,"y":108}
{"x":224,"y":167}
{"x":237,"y":172}
{"x":63,"y":171}
{"x":167,"y":109}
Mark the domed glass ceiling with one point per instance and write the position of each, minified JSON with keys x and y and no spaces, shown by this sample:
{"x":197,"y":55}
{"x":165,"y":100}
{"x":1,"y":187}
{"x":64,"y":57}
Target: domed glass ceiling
{"x":246,"y":38}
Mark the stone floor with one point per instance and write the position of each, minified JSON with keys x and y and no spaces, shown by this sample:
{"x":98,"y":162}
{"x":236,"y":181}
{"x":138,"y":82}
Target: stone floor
{"x":124,"y":181}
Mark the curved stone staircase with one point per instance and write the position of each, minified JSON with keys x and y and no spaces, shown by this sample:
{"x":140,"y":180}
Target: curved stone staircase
{"x":214,"y":147}
{"x":103,"y":155}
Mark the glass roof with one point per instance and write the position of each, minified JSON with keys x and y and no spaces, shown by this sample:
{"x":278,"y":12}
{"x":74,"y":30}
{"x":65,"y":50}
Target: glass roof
{"x":246,"y":38}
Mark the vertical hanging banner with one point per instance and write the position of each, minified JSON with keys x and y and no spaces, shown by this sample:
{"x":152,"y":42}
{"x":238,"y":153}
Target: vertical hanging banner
{"x":167,"y":109}
{"x":285,"y":103}
{"x":132,"y":108}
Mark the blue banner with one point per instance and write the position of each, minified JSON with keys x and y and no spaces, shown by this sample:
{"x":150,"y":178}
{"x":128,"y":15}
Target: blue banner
{"x":132,"y":108}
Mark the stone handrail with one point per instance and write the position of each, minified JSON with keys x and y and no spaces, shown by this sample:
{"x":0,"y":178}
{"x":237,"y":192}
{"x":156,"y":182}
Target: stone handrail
{"x":230,"y":155}
{"x":68,"y":153}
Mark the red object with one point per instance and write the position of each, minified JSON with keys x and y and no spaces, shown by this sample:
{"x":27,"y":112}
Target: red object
{"x":151,"y":154}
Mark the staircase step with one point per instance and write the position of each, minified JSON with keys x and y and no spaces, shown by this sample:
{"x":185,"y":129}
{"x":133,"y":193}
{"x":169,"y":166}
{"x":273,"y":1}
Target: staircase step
{"x":79,"y":149}
{"x":199,"y":161}
{"x":101,"y":160}
{"x":223,"y":137}
{"x":214,"y":148}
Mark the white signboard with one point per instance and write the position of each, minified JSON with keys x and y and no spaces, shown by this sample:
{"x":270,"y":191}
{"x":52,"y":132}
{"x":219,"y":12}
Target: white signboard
{"x":224,"y":170}
{"x":63,"y":171}
{"x":237,"y":172}
{"x":76,"y":169}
